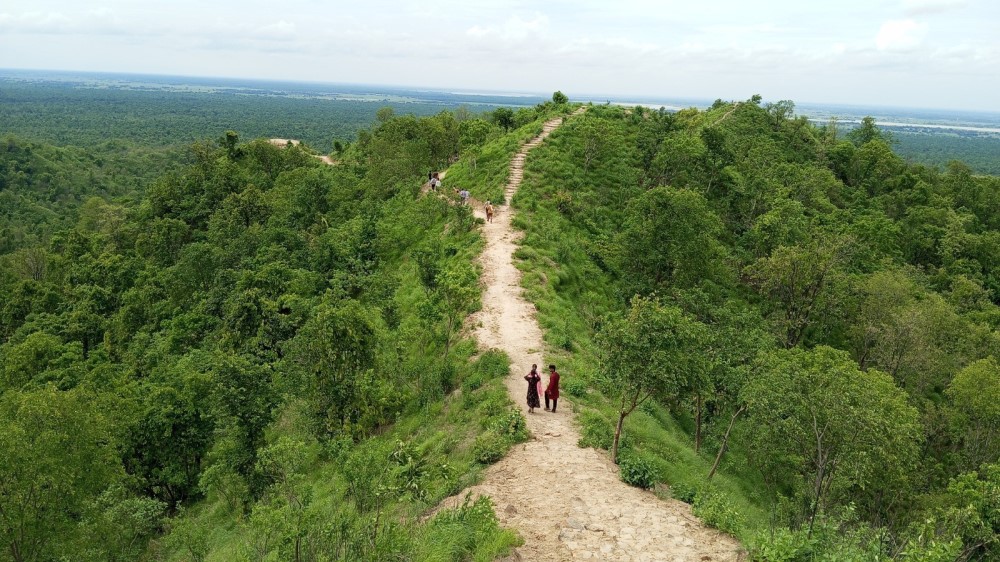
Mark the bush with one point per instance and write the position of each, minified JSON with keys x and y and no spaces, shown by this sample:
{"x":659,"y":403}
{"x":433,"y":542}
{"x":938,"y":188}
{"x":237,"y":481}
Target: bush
{"x":473,"y":383}
{"x":715,"y":509}
{"x":490,"y":447}
{"x":468,"y":532}
{"x":492,"y":364}
{"x":636,"y":471}
{"x":684,"y":491}
{"x":495,"y":402}
{"x":596,"y":431}
{"x":575,"y":387}
{"x":510,"y":424}
{"x":780,"y":545}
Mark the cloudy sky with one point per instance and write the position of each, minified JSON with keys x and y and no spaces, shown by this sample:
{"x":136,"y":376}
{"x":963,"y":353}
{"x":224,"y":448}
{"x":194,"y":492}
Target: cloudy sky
{"x":918,"y":53}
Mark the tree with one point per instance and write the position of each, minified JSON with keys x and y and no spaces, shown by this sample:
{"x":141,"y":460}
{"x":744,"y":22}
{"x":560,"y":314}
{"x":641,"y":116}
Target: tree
{"x":868,"y":131}
{"x":974,"y":392}
{"x":336,"y":350}
{"x":174,"y":429}
{"x":504,"y":116}
{"x":559,"y":98}
{"x":795,"y":279}
{"x":245,"y":398}
{"x":815,"y":413}
{"x":457,"y":289}
{"x":653,"y":349}
{"x":56,"y":457}
{"x":669,"y":237}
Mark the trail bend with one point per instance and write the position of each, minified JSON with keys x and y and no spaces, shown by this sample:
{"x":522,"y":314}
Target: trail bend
{"x":567,"y":502}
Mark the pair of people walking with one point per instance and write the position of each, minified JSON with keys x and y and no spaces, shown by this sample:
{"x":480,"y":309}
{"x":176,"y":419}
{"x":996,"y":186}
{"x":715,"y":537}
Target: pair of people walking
{"x":535,"y":386}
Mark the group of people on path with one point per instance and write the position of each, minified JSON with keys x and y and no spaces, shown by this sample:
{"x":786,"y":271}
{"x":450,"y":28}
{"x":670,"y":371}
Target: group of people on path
{"x":535,"y":389}
{"x":434,"y":181}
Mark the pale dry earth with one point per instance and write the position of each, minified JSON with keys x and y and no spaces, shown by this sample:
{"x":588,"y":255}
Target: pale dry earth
{"x":295,"y":142}
{"x":568,"y":503}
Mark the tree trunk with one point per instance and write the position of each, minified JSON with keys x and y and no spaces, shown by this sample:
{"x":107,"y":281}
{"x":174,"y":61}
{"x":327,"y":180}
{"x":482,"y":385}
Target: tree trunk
{"x":725,"y":442}
{"x":697,"y":425}
{"x":618,"y":433}
{"x":15,"y":552}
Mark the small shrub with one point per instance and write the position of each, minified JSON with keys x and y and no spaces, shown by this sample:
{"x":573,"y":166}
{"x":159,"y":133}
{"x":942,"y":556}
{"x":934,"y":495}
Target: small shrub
{"x":596,"y":431}
{"x":494,"y":404}
{"x":468,"y":532}
{"x":492,"y":364}
{"x":490,"y":447}
{"x":715,"y":509}
{"x":510,"y":424}
{"x":574,"y":387}
{"x":683,"y":491}
{"x":636,"y":471}
{"x":780,"y":545}
{"x":473,"y":382}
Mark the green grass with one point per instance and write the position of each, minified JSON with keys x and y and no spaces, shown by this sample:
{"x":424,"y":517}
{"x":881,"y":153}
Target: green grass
{"x":485,"y":172}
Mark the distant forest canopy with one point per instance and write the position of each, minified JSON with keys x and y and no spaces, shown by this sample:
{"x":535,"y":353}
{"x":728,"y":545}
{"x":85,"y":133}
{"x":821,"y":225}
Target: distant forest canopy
{"x":85,"y":109}
{"x":980,"y":153}
{"x":154,"y":111}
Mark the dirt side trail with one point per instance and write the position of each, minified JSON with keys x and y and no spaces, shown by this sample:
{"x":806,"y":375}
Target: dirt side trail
{"x":568,"y":503}
{"x":282,"y":143}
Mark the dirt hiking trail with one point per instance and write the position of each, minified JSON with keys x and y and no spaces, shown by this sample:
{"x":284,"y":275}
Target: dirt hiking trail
{"x":282,"y":143}
{"x":568,"y":503}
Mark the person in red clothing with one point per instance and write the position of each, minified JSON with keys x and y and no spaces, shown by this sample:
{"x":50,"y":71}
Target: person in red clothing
{"x":552,"y":390}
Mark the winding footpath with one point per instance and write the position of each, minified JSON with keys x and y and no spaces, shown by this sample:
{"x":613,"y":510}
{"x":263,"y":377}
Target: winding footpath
{"x":568,"y":503}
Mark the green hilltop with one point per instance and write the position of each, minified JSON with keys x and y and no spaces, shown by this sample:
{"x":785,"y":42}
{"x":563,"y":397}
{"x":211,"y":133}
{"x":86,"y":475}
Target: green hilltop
{"x":243,"y":353}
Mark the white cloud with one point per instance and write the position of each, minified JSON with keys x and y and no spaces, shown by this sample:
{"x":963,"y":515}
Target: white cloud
{"x":900,"y":35}
{"x":35,"y":22}
{"x":515,"y":29}
{"x":927,"y":7}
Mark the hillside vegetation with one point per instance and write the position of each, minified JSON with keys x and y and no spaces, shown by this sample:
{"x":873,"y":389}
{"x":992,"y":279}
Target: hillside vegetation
{"x":259,"y":358}
{"x":242,"y":353}
{"x":799,"y":329}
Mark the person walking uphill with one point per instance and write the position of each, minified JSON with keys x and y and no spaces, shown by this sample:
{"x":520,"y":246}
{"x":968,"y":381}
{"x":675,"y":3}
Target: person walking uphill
{"x":534,"y":381}
{"x":552,"y":390}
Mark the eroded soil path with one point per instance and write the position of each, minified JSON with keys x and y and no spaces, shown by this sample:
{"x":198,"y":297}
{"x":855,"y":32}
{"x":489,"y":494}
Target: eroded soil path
{"x":568,"y":503}
{"x":282,"y":143}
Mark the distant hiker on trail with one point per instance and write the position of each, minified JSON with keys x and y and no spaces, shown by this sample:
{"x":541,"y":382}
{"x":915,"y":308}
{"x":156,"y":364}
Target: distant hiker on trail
{"x":464,"y":194}
{"x":534,"y":382}
{"x":552,"y":391}
{"x":435,"y":181}
{"x":489,"y":212}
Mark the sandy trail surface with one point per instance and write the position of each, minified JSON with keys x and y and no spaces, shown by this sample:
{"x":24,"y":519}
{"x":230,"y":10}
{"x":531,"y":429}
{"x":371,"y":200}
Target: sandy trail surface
{"x":567,"y":502}
{"x":295,"y":142}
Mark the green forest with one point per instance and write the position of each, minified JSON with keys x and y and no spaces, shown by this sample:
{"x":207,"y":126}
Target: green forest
{"x":238,"y":352}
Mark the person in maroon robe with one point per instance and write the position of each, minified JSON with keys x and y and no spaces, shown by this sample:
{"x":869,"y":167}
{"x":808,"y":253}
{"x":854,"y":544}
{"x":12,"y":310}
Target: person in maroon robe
{"x":552,"y":390}
{"x":534,"y":381}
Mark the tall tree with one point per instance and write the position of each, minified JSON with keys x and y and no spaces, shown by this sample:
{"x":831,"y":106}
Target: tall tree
{"x":815,"y":413}
{"x":55,"y":458}
{"x":652,"y":349}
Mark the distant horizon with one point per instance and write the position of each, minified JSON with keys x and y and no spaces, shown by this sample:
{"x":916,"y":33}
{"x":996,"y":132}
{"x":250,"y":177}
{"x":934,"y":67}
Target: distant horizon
{"x":638,"y":98}
{"x":920,"y":54}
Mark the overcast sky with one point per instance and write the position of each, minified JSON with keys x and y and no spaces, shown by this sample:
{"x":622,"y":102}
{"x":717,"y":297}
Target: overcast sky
{"x":919,"y":53}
